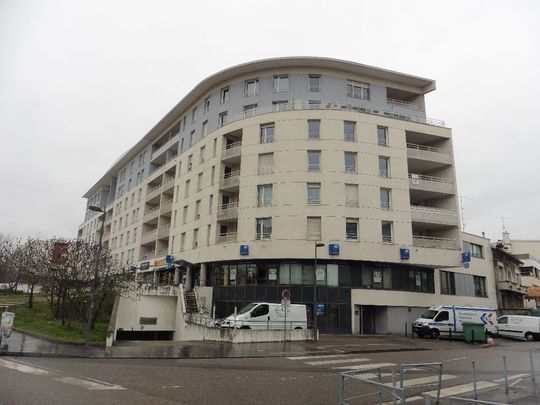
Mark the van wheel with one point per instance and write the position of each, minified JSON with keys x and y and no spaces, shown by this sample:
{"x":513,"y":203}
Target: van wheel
{"x":298,"y":327}
{"x":434,"y":334}
{"x":529,"y":336}
{"x":245,"y":327}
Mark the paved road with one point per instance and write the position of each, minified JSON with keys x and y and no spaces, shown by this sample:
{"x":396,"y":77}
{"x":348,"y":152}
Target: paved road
{"x":296,"y":378}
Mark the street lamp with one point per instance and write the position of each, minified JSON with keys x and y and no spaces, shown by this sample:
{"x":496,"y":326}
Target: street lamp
{"x":96,"y":273}
{"x":317,"y":245}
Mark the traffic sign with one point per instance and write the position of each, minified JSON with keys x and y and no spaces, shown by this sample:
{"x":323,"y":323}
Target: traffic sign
{"x":286,"y":295}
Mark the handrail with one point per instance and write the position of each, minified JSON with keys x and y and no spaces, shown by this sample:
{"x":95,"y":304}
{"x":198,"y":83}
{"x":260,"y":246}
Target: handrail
{"x":233,"y":145}
{"x":403,"y":103}
{"x":426,"y":148}
{"x":433,"y":238}
{"x":429,"y":178}
{"x":224,"y":207}
{"x":229,"y":175}
{"x":432,"y":209}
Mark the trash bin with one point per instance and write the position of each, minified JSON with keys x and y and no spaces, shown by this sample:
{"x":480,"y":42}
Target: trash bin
{"x":474,"y":332}
{"x":6,"y":324}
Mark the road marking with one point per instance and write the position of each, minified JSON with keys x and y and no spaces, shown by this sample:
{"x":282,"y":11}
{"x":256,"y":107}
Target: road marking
{"x":320,"y":356}
{"x":322,"y":362}
{"x":511,"y":377}
{"x":424,"y":380}
{"x":456,"y":359}
{"x":89,"y":383}
{"x":364,"y":366}
{"x":23,"y":368}
{"x":455,"y":390}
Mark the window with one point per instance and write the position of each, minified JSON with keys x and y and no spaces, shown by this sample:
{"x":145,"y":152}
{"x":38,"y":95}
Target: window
{"x":314,"y":129}
{"x":384,"y":169}
{"x":281,"y":83}
{"x":442,"y":316}
{"x":250,"y":110}
{"x":204,"y":130}
{"x":267,"y":133}
{"x":197,"y":213}
{"x":266,"y":163}
{"x":201,"y":154}
{"x":313,"y":228}
{"x":349,"y":131}
{"x":184,"y":214}
{"x":350,"y":162}
{"x":314,"y":104}
{"x":182,"y":241}
{"x":251,"y":87}
{"x":186,"y":194}
{"x":385,"y":198}
{"x":386,"y":228}
{"x":189,"y":163}
{"x":480,"y":286}
{"x":210,"y":203}
{"x":358,"y":90}
{"x":213,"y":175}
{"x":351,"y":195}
{"x":222,"y":119}
{"x":191,"y":136}
{"x":351,"y":228}
{"x":225,"y":95}
{"x":206,"y":104}
{"x":474,"y":249}
{"x":314,"y":160}
{"x":214,"y":148}
{"x":382,"y":136}
{"x":264,"y":228}
{"x":181,"y":144}
{"x":208,"y":230}
{"x":448,"y":283}
{"x":314,"y":82}
{"x":193,"y":115}
{"x":264,"y":195}
{"x":199,"y":181}
{"x":280,"y":105}
{"x":314,"y":193}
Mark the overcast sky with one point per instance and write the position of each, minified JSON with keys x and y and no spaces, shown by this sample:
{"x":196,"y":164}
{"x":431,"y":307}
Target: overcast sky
{"x":82,"y":81}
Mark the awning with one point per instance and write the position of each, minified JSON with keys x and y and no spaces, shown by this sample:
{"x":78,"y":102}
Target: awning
{"x":533,"y":292}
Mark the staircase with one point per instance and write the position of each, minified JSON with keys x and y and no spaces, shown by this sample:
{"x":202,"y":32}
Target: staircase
{"x":191,"y":302}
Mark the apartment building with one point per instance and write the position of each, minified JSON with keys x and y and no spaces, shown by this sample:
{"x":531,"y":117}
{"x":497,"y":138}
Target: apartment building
{"x":265,"y":165}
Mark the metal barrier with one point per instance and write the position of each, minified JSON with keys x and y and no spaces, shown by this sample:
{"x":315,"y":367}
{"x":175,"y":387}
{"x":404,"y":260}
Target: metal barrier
{"x":473,"y":401}
{"x":397,"y":390}
{"x":206,"y":320}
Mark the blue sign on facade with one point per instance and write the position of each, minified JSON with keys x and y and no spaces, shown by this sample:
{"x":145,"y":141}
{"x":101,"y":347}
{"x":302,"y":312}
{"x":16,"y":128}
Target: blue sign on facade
{"x":404,"y":253}
{"x":466,"y":265}
{"x":466,"y":257}
{"x":321,"y":309}
{"x":169,"y":259}
{"x":333,"y":249}
{"x":244,"y":250}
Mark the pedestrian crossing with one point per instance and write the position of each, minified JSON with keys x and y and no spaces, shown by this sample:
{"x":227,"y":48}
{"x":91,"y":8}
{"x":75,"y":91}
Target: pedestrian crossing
{"x":422,"y":378}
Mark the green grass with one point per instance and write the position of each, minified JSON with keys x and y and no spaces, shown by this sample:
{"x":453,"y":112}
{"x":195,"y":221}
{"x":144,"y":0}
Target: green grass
{"x":40,"y":320}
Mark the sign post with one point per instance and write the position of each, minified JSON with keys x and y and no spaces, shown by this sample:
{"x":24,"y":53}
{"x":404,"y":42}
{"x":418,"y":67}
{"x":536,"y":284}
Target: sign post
{"x":285,"y":303}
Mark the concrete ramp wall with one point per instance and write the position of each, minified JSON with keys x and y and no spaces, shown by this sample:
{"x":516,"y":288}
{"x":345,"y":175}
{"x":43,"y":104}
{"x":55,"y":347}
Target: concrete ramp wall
{"x":200,"y":332}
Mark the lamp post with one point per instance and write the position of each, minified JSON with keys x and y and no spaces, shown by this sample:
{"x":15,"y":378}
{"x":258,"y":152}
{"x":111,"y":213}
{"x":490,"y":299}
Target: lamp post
{"x":96,"y":273}
{"x":317,"y":245}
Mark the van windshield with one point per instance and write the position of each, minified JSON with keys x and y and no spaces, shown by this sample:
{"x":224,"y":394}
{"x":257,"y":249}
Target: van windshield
{"x":429,"y":314}
{"x":247,"y":308}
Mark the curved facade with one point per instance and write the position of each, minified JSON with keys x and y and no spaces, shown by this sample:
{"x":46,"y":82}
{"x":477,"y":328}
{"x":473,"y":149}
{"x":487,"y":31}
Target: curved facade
{"x":261,"y":161}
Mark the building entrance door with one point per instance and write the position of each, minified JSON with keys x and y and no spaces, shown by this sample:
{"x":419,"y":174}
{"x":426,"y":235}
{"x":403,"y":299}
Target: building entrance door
{"x":367,"y":319}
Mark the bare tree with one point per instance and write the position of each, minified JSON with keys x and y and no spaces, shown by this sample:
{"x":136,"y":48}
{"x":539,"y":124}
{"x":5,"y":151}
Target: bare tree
{"x":9,"y":272}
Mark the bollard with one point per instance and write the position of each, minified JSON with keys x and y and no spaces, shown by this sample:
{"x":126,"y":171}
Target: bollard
{"x":412,"y":332}
{"x":450,"y":333}
{"x":406,"y":329}
{"x":531,"y":363}
{"x":341,"y":389}
{"x":474,"y":380}
{"x":393,"y":386}
{"x":505,"y":375}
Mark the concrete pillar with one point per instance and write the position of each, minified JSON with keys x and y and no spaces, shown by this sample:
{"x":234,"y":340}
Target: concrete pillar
{"x":187,"y":286}
{"x":202,"y":275}
{"x":176,"y":280}
{"x":154,"y":275}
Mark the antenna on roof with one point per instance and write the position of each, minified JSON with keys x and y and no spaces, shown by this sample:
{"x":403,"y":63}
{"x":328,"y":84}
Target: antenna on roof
{"x":462,"y":209}
{"x":502,"y":220}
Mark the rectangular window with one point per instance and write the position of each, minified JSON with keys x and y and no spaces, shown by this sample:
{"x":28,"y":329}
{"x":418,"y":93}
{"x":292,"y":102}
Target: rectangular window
{"x":193,"y":115}
{"x":281,"y":83}
{"x":206,"y":104}
{"x":358,"y":90}
{"x":385,"y":198}
{"x":225,"y":95}
{"x":199,"y":181}
{"x":351,"y":195}
{"x":251,"y":87}
{"x":210,"y":203}
{"x":250,"y":110}
{"x":222,"y":119}
{"x":201,"y":154}
{"x":382,"y":136}
{"x":349,"y":131}
{"x":314,"y":193}
{"x":186,"y":194}
{"x":314,"y":104}
{"x":448,"y":284}
{"x":182,"y":241}
{"x":204,"y":130}
{"x":263,"y":228}
{"x":314,"y":129}
{"x":213,"y":174}
{"x":314,"y":82}
{"x":384,"y":166}
{"x":264,"y":195}
{"x":184,"y":123}
{"x":314,"y":160}
{"x":184,"y":215}
{"x":214,"y":148}
{"x":350,"y":162}
{"x":197,"y":213}
{"x":313,"y":228}
{"x":474,"y":249}
{"x":266,"y":163}
{"x":267,"y":133}
{"x":480,"y":286}
{"x":386,"y":229}
{"x":280,"y":105}
{"x":208,"y":230}
{"x":351,"y":228}
{"x":189,"y":163}
{"x":191,"y":136}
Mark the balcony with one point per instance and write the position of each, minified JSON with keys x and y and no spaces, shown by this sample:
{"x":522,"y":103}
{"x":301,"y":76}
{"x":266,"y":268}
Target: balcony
{"x":163,"y":232}
{"x":168,"y":185}
{"x":149,"y":237}
{"x":151,"y":215}
{"x":164,"y":148}
{"x":433,"y":215}
{"x":511,"y":286}
{"x":227,"y":212}
{"x":233,"y":151}
{"x":434,"y":242}
{"x":392,"y":102}
{"x":166,"y":208}
{"x":227,"y":237}
{"x":433,"y":184}
{"x":230,"y":180}
{"x":428,"y":153}
{"x":153,"y":192}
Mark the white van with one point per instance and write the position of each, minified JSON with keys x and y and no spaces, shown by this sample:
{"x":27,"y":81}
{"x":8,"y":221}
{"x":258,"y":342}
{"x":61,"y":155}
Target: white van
{"x":266,"y":315}
{"x":446,"y":319}
{"x":519,"y":327}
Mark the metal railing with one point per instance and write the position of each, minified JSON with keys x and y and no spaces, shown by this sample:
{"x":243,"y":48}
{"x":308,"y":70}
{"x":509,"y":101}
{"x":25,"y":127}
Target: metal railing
{"x":426,"y":148}
{"x":227,"y":237}
{"x":314,"y":167}
{"x":263,"y":235}
{"x":402,"y":103}
{"x":423,"y":177}
{"x":432,"y":241}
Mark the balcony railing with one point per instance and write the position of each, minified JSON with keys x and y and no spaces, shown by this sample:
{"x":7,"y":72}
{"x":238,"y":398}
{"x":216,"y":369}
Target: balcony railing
{"x":166,"y":207}
{"x":434,"y":242}
{"x":511,"y":286}
{"x":149,"y":236}
{"x":227,"y":237}
{"x":231,"y":179}
{"x":165,"y":146}
{"x":151,"y":214}
{"x":263,"y":235}
{"x":163,"y":231}
{"x":431,"y":183}
{"x":232,"y":150}
{"x":227,"y":211}
{"x":157,"y":289}
{"x":402,"y":103}
{"x":428,"y":153}
{"x":433,"y":215}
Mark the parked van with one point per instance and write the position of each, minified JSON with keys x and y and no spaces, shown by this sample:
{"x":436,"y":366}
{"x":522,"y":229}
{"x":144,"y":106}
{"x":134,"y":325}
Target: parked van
{"x":519,"y":327}
{"x":445,"y":319}
{"x":265,"y":315}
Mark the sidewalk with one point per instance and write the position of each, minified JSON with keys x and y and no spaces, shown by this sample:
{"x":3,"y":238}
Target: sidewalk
{"x":21,"y":344}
